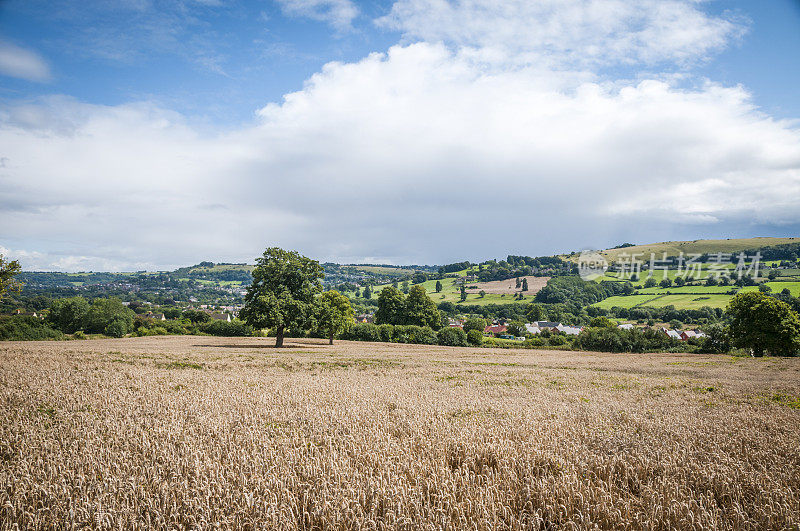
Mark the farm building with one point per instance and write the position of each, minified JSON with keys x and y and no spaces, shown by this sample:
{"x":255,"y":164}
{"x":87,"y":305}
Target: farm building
{"x":495,"y":330}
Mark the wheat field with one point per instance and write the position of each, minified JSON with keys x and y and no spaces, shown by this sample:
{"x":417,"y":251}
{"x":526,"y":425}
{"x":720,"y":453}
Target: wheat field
{"x":199,"y":432}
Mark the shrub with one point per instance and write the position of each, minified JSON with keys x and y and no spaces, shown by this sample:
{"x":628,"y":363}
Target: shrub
{"x":116,"y":328}
{"x":533,"y":342}
{"x":363,"y":332}
{"x":235,"y":328}
{"x":557,"y":340}
{"x":386,"y":333}
{"x":26,"y":328}
{"x":475,"y":323}
{"x":475,"y":337}
{"x":423,"y":335}
{"x":453,"y":337}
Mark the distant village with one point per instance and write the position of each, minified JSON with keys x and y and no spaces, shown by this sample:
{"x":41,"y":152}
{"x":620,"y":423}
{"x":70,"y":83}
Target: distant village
{"x":499,"y":328}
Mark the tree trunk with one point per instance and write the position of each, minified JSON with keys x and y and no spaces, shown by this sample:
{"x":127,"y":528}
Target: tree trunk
{"x":330,"y":339}
{"x":279,"y":337}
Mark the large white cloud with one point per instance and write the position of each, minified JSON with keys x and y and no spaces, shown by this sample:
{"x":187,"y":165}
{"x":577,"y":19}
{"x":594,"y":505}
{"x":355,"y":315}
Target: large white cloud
{"x":423,"y":154}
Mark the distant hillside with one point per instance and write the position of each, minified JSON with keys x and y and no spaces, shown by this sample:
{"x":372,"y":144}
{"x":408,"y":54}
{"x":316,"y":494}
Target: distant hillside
{"x":732,"y":245}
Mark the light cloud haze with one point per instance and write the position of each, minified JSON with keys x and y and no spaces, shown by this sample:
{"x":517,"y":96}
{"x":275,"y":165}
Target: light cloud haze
{"x":22,"y":63}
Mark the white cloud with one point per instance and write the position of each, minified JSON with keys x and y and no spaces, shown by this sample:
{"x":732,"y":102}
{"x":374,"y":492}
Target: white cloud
{"x":431,"y":152}
{"x":337,"y":13}
{"x":22,"y":63}
{"x":417,"y":155}
{"x":571,"y":32}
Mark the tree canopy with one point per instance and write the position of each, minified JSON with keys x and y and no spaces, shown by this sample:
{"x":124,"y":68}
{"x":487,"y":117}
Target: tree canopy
{"x":282,"y":295}
{"x":420,"y":310}
{"x":764,"y":324}
{"x":334,"y":314}
{"x":8,"y":270}
{"x":416,"y":309}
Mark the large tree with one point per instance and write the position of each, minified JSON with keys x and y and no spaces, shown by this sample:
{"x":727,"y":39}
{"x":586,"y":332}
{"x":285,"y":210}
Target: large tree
{"x":334,"y":314}
{"x":421,"y":310}
{"x":8,"y":270}
{"x":391,"y":306}
{"x":285,"y":284}
{"x":764,"y":324}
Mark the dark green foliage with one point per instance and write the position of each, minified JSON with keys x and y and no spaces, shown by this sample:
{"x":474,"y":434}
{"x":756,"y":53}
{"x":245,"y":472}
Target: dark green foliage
{"x":8,"y":272}
{"x":602,"y":322}
{"x":575,"y":290}
{"x":422,"y":335}
{"x":420,"y":310}
{"x":516,"y":328}
{"x":197,"y":316}
{"x":474,"y":323}
{"x":417,"y":309}
{"x":117,"y":328}
{"x":764,"y":324}
{"x":438,"y":286}
{"x":453,"y":337}
{"x":365,"y":332}
{"x":607,"y":339}
{"x":68,"y":315}
{"x":535,"y":312}
{"x":475,"y":337}
{"x":717,"y":340}
{"x":386,"y":333}
{"x":452,"y":268}
{"x":26,"y":328}
{"x":282,"y":295}
{"x":103,"y":312}
{"x":391,"y":306}
{"x":235,"y":328}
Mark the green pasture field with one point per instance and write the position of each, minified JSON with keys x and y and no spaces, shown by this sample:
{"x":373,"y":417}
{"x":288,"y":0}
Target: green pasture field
{"x":690,"y":301}
{"x":452,"y":293}
{"x":380,"y":270}
{"x":621,"y":301}
{"x":698,"y":246}
{"x":710,"y":290}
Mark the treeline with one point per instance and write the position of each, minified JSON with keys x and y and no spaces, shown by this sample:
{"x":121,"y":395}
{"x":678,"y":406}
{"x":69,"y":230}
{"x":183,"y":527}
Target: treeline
{"x":520,"y":266}
{"x":417,"y":309}
{"x":422,"y":335}
{"x":110,"y":317}
{"x":577,"y":291}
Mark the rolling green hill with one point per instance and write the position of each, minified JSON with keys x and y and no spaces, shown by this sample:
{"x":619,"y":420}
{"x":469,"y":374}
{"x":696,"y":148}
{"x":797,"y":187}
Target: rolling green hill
{"x":732,"y":245}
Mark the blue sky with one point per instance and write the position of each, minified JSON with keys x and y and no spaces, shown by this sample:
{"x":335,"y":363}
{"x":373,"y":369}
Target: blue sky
{"x":222,"y":60}
{"x":374,"y":131}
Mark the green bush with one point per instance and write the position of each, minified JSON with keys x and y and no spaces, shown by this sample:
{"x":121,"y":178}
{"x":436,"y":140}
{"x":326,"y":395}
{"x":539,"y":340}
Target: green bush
{"x":533,"y":342}
{"x":474,"y":323}
{"x":235,"y":328}
{"x":26,"y":328}
{"x":475,"y":337}
{"x":557,"y":340}
{"x":363,"y":332}
{"x":452,"y":337}
{"x":386,"y":333}
{"x":116,"y":328}
{"x":618,"y":340}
